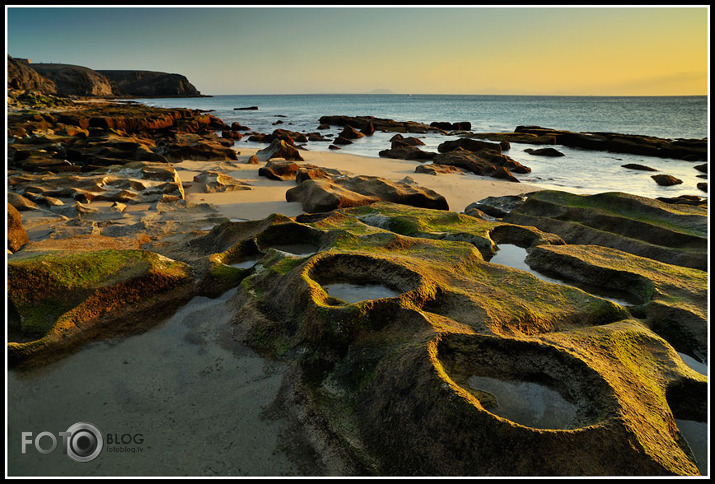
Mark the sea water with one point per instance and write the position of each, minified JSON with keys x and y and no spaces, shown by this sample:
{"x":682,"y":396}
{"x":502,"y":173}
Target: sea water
{"x":579,"y":171}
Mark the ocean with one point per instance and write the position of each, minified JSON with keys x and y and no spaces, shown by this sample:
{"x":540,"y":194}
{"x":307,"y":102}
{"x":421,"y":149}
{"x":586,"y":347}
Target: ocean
{"x":580,"y":171}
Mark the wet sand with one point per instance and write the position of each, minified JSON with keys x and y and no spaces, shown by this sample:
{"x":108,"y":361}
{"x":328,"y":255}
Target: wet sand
{"x":197,"y":398}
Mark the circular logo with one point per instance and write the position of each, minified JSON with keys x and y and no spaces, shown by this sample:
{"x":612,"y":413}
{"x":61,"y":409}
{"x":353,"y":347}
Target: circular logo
{"x":85,"y":442}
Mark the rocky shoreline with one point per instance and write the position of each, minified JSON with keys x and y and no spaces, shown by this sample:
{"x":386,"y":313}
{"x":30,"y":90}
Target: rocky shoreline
{"x":101,"y":235}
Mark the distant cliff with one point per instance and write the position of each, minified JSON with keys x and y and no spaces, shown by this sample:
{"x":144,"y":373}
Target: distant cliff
{"x":71,"y":80}
{"x":22,"y":77}
{"x":75,"y":80}
{"x":149,"y":84}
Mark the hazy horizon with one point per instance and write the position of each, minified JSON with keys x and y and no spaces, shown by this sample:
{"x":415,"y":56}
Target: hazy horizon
{"x":545,"y":51}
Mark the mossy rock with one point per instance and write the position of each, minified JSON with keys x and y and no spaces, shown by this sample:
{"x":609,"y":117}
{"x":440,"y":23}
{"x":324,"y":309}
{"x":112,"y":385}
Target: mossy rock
{"x":63,"y":298}
{"x":405,"y":406}
{"x":672,"y":299}
{"x":671,"y":233}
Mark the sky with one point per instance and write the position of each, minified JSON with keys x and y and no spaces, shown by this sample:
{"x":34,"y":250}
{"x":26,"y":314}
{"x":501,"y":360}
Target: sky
{"x":591,"y":51}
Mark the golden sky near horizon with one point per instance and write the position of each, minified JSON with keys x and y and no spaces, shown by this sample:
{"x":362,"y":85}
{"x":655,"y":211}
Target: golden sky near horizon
{"x":548,"y":51}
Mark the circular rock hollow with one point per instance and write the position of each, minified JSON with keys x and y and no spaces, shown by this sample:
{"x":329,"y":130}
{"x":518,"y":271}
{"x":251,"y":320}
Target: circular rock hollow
{"x":290,"y":238}
{"x":244,"y":255}
{"x":528,"y":383}
{"x":354,"y":278}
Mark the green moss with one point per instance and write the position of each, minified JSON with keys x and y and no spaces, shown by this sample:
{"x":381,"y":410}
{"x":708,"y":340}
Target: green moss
{"x":45,"y":286}
{"x":669,"y":216}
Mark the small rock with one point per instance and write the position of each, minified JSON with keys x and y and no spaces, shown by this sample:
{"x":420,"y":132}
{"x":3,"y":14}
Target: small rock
{"x":666,"y":180}
{"x":544,"y":152}
{"x":636,"y":166}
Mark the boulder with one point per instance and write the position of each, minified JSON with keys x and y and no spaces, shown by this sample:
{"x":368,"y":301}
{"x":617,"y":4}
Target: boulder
{"x":368,"y":129}
{"x":279,"y":170}
{"x":236,"y":126}
{"x":213,"y":181}
{"x":666,"y":180}
{"x":279,"y":149}
{"x":433,"y":169}
{"x":469,"y":144}
{"x":342,"y":140}
{"x":321,"y":195}
{"x":636,"y":166}
{"x":311,"y":172}
{"x":485,"y":162}
{"x":350,"y":133}
{"x":552,"y":152}
{"x":16,"y":234}
{"x":407,"y":152}
{"x":399,"y":140}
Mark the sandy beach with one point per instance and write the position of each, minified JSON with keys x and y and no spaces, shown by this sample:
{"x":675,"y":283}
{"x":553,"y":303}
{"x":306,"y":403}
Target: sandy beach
{"x":268,"y":196}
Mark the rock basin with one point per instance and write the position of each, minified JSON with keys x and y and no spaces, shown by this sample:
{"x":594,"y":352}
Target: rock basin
{"x":514,"y":256}
{"x":353,"y":293}
{"x":526,"y":403}
{"x":301,"y":250}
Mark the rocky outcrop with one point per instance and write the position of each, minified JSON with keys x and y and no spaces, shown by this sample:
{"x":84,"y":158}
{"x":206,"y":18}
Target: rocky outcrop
{"x":407,"y":152}
{"x":63,"y":299}
{"x":323,"y":195}
{"x":671,"y":233}
{"x":85,"y":140}
{"x":408,"y":380}
{"x":364,"y":123}
{"x":447,"y":126}
{"x":213,"y":182}
{"x":149,"y":84}
{"x":189,"y":146}
{"x":21,"y":76}
{"x":682,"y":149}
{"x":486,"y":162}
{"x":132,"y":182}
{"x":438,"y":169}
